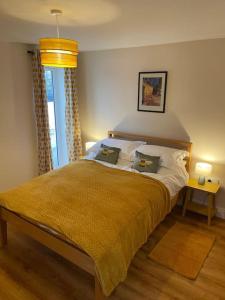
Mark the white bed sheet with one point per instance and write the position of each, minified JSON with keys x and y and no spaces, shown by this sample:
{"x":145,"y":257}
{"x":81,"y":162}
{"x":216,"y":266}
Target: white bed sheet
{"x":174,"y":179}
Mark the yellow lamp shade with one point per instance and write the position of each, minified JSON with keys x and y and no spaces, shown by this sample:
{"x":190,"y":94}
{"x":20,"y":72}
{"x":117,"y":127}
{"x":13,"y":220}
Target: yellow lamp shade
{"x":56,"y":52}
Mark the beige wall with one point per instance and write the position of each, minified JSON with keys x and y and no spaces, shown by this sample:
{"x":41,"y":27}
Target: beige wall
{"x":18,"y":157}
{"x":195,"y":108}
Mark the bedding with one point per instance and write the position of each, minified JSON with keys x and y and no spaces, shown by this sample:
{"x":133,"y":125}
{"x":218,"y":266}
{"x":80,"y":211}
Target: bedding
{"x":168,"y":156}
{"x":108,"y":154}
{"x":108,"y":212}
{"x":126,"y":146}
{"x":174,"y":178}
{"x":146,"y":163}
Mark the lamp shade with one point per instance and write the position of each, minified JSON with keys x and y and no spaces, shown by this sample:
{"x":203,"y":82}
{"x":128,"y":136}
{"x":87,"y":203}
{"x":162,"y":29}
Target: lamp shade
{"x":57,"y":52}
{"x":88,"y":145}
{"x":202,"y":168}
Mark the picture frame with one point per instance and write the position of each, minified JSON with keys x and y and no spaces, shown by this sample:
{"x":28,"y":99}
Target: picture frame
{"x":152,"y":91}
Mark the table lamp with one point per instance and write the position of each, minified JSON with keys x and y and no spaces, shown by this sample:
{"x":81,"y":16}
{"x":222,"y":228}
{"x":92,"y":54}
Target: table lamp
{"x":202,"y":169}
{"x":88,"y":145}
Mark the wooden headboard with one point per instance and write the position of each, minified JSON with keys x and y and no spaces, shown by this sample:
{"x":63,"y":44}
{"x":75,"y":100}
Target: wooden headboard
{"x":183,"y":145}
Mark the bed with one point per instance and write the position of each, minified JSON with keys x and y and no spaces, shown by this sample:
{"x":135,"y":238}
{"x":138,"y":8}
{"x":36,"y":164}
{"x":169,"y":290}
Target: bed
{"x":60,"y":241}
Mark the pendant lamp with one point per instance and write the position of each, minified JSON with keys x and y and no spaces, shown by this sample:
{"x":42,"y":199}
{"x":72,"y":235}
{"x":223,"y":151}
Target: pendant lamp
{"x":58,"y":52}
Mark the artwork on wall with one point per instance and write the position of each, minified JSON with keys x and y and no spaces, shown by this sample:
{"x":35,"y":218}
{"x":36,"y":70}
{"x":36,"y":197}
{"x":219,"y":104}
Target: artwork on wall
{"x":152,"y":91}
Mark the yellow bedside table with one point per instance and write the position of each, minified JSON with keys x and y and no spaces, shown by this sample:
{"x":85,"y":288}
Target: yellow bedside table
{"x":211,"y":189}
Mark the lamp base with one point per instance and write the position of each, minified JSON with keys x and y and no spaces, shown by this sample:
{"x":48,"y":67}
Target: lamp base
{"x":201,"y":180}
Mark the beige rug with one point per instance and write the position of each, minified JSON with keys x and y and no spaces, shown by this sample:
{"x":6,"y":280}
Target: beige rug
{"x":183,"y":249}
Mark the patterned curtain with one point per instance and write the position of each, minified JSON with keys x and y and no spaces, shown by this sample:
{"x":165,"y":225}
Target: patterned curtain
{"x":73,"y":132}
{"x":41,"y":111}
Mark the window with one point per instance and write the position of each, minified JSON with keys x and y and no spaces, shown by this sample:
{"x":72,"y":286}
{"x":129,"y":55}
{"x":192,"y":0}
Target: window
{"x":54,"y":79}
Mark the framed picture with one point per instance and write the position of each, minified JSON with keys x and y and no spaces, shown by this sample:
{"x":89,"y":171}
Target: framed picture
{"x":152,"y":91}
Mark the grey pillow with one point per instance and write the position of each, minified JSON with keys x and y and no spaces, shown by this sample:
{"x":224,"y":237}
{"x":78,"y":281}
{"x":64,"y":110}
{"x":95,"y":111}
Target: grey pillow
{"x":108,"y":154}
{"x":146,"y":163}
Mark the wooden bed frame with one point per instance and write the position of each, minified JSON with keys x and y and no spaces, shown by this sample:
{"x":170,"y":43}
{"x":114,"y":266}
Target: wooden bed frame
{"x":60,"y":245}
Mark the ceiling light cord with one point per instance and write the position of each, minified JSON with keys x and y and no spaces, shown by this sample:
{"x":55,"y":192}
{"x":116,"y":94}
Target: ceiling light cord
{"x":56,"y":13}
{"x":57,"y":25}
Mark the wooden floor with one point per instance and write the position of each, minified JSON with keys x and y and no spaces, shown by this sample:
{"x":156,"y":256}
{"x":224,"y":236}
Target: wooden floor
{"x":30,"y":271}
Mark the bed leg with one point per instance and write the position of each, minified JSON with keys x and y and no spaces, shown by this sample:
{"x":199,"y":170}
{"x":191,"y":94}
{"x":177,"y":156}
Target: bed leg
{"x":3,"y":233}
{"x":98,"y":290}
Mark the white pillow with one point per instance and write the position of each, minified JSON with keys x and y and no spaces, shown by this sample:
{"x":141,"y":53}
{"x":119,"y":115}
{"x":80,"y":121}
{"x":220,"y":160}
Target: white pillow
{"x":126,"y":146}
{"x":168,"y":156}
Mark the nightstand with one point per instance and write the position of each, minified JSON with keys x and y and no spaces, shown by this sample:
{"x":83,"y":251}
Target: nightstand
{"x":211,"y":189}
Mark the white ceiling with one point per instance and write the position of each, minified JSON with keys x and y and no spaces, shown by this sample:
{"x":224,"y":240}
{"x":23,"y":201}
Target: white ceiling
{"x":108,"y":24}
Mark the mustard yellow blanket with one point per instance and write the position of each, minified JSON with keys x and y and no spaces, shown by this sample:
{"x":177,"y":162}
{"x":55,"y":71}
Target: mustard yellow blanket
{"x":108,"y":212}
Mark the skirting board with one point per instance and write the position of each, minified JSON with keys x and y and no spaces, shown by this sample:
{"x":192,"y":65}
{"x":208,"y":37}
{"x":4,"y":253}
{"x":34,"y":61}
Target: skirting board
{"x":220,"y":212}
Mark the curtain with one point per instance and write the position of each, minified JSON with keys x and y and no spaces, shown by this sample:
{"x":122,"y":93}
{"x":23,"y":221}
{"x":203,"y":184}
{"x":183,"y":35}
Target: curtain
{"x":73,"y":131}
{"x":41,"y":111}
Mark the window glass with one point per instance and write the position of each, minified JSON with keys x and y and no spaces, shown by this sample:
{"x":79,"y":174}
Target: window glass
{"x":49,"y":85}
{"x":51,"y":115}
{"x":54,"y":78}
{"x":51,"y":118}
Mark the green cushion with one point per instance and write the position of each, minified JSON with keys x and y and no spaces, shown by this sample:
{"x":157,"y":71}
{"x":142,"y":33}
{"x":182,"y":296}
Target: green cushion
{"x":146,"y":163}
{"x":108,"y":154}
